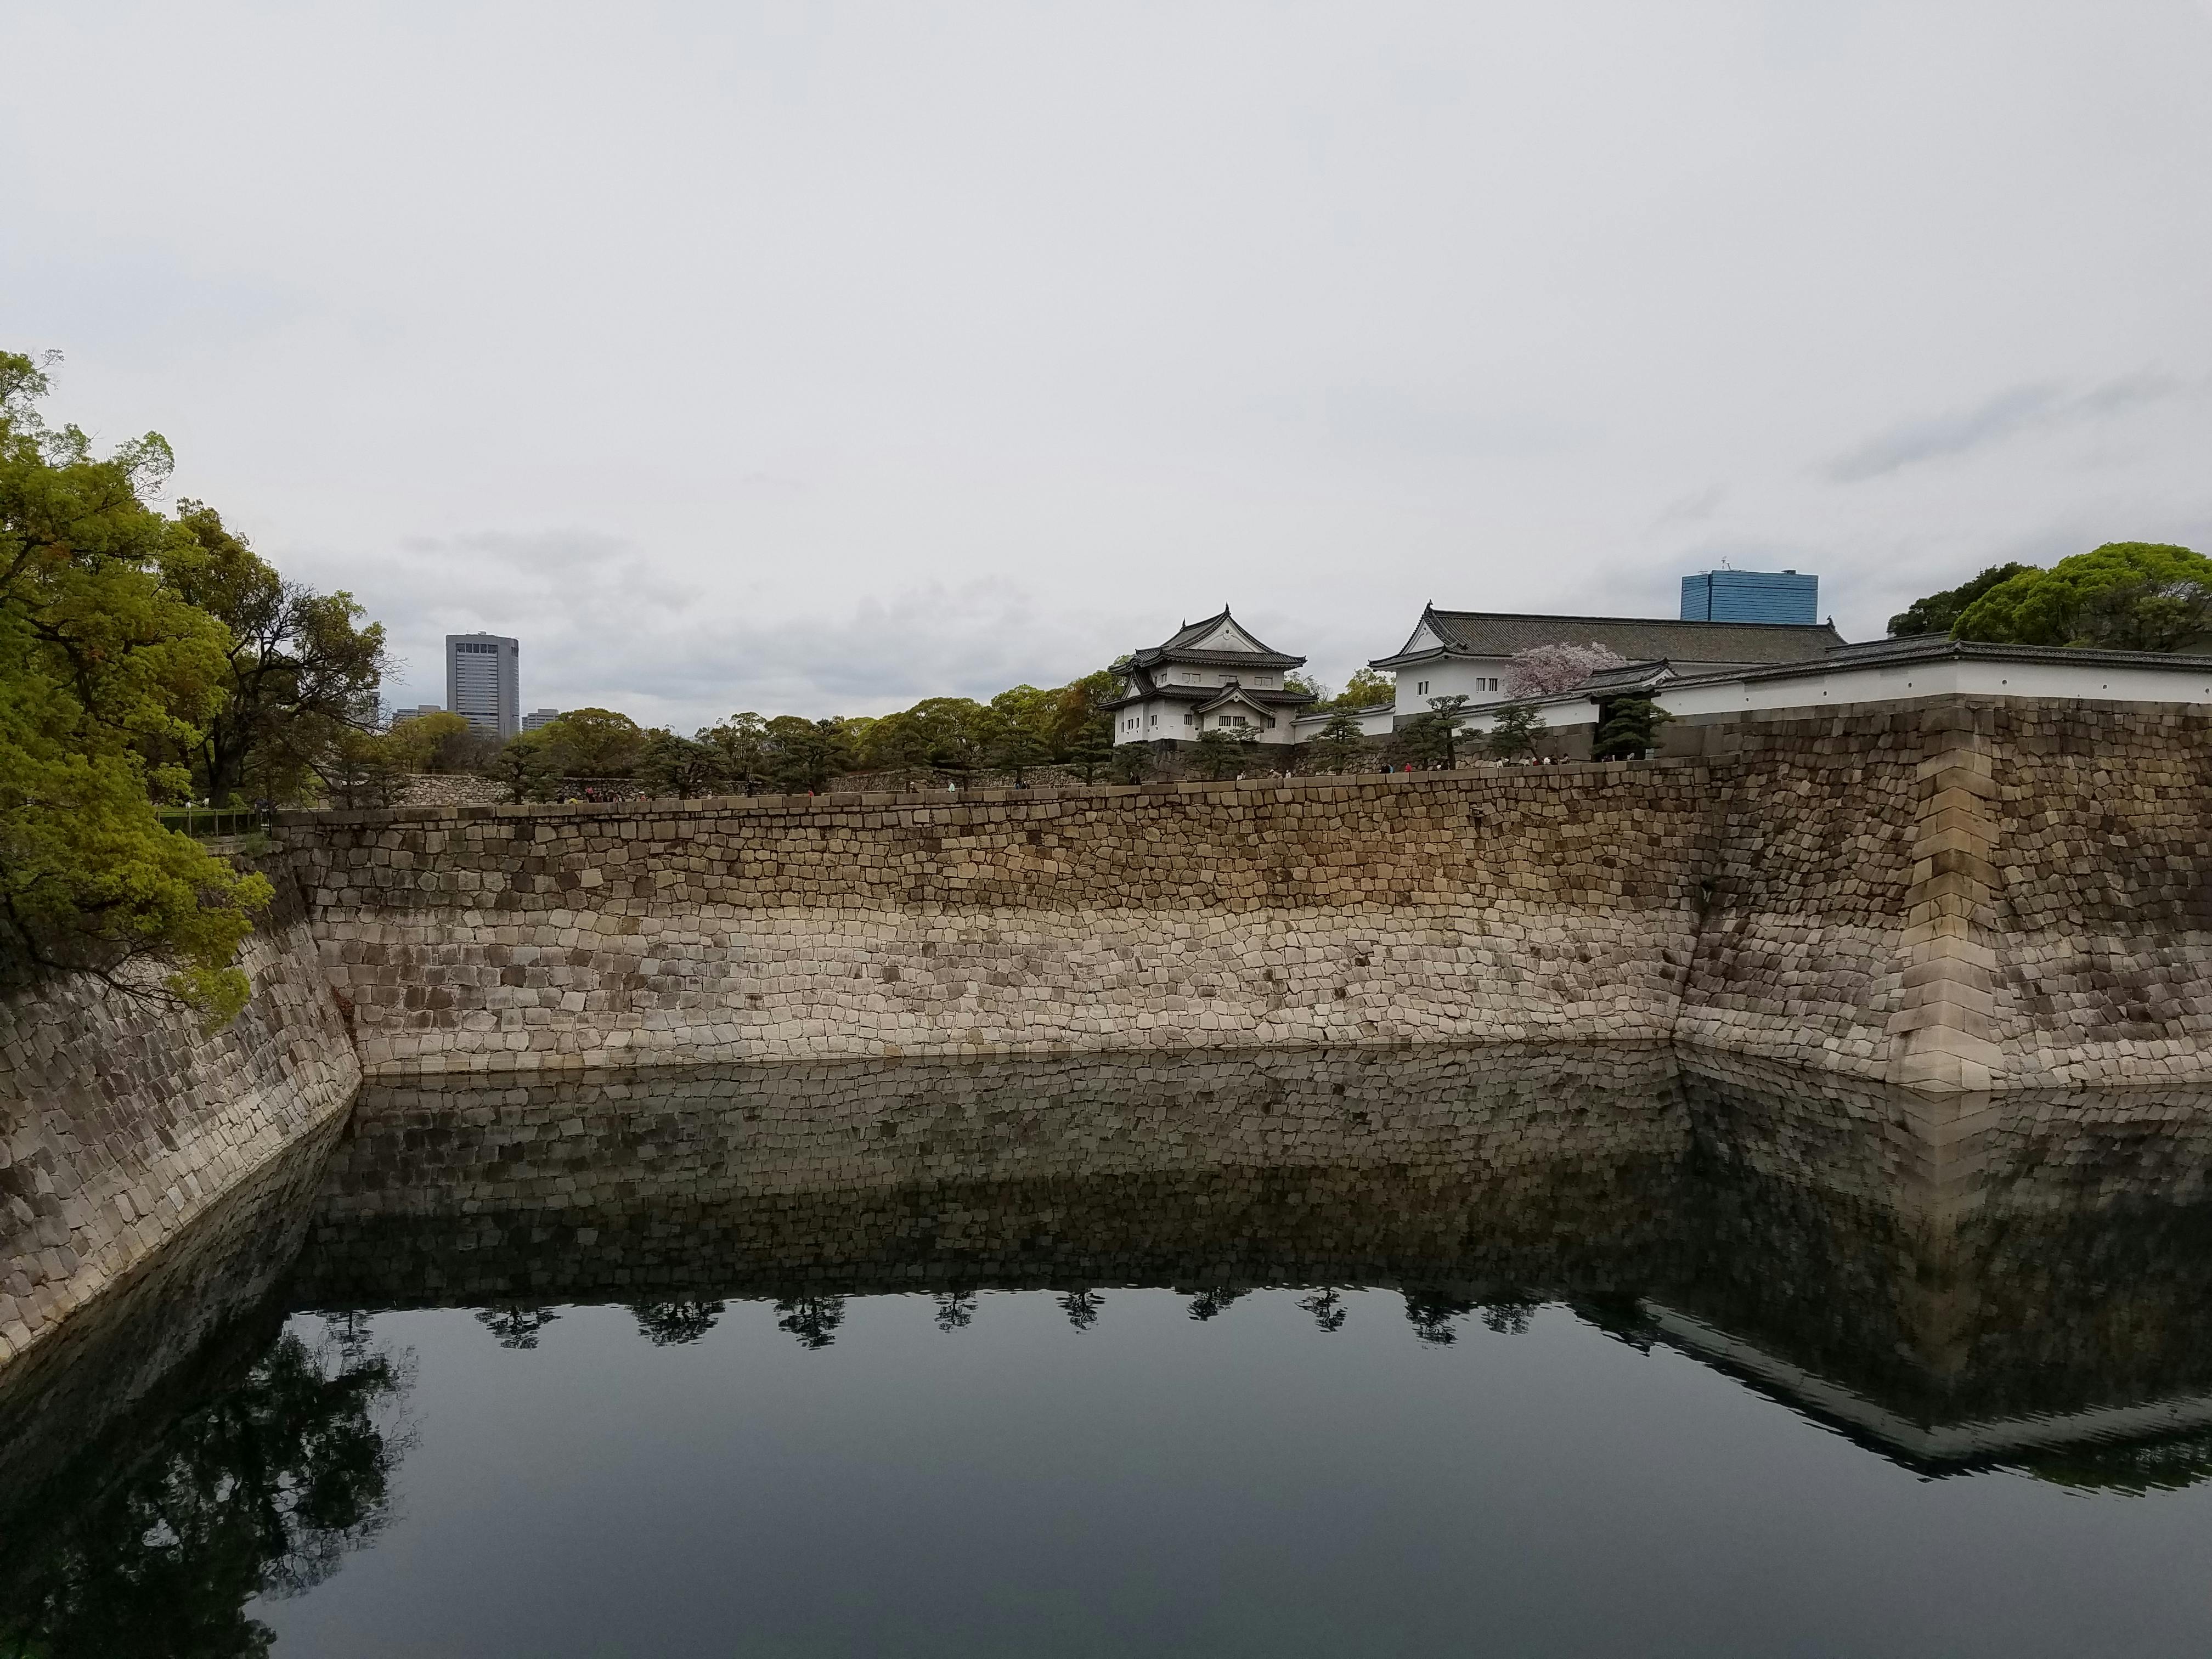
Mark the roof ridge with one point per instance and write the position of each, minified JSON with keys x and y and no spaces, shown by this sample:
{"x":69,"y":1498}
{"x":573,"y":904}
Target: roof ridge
{"x":1669,"y":622}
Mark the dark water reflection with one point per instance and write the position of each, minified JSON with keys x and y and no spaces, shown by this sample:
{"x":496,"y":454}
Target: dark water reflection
{"x":1546,"y":1351}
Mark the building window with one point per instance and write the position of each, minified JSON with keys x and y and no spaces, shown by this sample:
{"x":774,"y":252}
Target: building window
{"x":1151,"y":720}
{"x":1422,"y":690}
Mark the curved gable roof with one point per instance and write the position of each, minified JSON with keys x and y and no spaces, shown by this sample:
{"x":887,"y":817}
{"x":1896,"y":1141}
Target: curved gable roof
{"x":1219,"y":640}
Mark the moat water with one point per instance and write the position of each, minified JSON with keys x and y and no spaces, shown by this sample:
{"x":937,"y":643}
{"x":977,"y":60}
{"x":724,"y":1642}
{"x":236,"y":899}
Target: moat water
{"x":1414,"y":1352}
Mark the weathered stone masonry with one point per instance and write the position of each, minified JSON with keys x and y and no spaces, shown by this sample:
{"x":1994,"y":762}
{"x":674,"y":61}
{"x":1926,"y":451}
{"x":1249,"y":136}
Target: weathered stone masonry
{"x":1956,"y":893}
{"x":1478,"y":907}
{"x":1961,"y":893}
{"x":122,"y":1121}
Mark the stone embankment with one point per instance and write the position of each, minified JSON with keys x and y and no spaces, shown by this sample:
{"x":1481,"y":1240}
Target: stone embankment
{"x":122,"y":1121}
{"x":1556,"y":902}
{"x":1954,"y":893}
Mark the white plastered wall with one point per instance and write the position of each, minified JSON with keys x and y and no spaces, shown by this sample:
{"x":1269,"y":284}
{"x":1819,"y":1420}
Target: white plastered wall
{"x":1880,"y":683}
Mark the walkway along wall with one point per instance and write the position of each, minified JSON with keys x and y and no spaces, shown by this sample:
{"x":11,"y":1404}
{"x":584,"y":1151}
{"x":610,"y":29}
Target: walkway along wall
{"x":1956,"y":893}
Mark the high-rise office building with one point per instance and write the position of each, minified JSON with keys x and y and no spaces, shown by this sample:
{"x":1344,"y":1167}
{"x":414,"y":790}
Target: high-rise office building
{"x":483,"y":683}
{"x":1751,"y":596}
{"x":537,"y":717}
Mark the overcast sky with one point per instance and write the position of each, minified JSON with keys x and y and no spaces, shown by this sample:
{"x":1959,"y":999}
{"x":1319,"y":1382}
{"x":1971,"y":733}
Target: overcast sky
{"x":816,"y":358}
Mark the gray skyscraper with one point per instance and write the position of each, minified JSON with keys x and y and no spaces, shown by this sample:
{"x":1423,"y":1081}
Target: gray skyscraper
{"x":483,"y":683}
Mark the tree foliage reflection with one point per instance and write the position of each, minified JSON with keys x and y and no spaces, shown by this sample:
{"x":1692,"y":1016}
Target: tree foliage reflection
{"x":1212,"y":1302}
{"x":516,"y":1328}
{"x":260,"y":1492}
{"x":669,"y":1324}
{"x":812,"y":1319}
{"x":1082,"y":1308}
{"x":955,"y":1309}
{"x":1327,"y":1308}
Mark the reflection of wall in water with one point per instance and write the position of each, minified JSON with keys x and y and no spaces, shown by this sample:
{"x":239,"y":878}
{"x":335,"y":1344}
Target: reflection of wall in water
{"x":1951,"y":1259}
{"x":79,"y":1415}
{"x":1958,"y":1261}
{"x":1289,"y":1167}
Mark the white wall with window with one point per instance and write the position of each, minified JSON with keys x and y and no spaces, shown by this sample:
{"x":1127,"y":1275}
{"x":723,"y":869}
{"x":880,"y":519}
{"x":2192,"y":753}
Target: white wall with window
{"x":1478,"y":679}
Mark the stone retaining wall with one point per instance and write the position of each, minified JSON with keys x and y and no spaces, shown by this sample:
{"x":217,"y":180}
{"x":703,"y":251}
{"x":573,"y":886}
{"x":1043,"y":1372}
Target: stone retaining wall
{"x":121,"y":1122}
{"x":1957,"y":893}
{"x":1964,"y":893}
{"x":1954,"y":893}
{"x":1543,"y":904}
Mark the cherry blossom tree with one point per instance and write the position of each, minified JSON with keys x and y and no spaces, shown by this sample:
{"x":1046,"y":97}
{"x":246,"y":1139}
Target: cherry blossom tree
{"x":1542,"y":670}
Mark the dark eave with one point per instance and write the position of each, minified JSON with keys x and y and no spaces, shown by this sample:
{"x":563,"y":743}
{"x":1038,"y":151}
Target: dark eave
{"x":1938,"y":647}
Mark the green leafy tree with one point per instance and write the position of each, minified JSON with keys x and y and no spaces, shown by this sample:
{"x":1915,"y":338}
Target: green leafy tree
{"x":806,"y":754}
{"x":1340,"y":743}
{"x":952,"y":734}
{"x":1311,"y":684}
{"x":1432,"y":738}
{"x":593,"y":742}
{"x":1938,"y":612}
{"x":1630,"y":725}
{"x":1129,"y":762}
{"x":1223,"y":752}
{"x":362,"y":768}
{"x":107,"y":675}
{"x":1093,"y":747}
{"x":685,"y":766}
{"x":1020,"y":747}
{"x":1366,"y":689}
{"x":440,"y":743}
{"x":744,"y":751}
{"x":1081,"y":724}
{"x":1514,"y":732}
{"x":526,"y":766}
{"x":303,"y":668}
{"x":2123,"y":596}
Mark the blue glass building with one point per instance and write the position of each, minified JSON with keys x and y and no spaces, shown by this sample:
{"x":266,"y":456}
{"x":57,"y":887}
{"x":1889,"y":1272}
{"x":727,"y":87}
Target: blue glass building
{"x":1751,"y":596}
